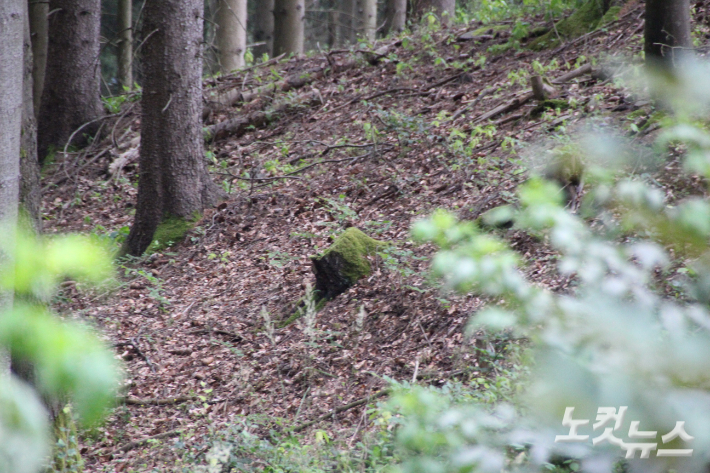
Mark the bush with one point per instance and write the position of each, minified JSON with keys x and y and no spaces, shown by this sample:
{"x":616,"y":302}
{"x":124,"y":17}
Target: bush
{"x":620,"y":337}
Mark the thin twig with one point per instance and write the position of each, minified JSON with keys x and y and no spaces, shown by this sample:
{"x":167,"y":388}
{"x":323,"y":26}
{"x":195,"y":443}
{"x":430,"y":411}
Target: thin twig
{"x":337,"y":410}
{"x":139,"y":443}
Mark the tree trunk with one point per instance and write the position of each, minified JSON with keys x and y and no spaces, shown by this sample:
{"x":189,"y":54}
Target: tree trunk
{"x":11,"y":52}
{"x":30,"y":189}
{"x":288,"y":26}
{"x":445,"y":10}
{"x":347,"y":23}
{"x":333,"y":19}
{"x":38,"y":31}
{"x":366,"y":18}
{"x":173,"y":175}
{"x":395,"y":16}
{"x":667,"y":31}
{"x":231,"y":34}
{"x":264,"y":32}
{"x":125,"y":45}
{"x":70,"y":97}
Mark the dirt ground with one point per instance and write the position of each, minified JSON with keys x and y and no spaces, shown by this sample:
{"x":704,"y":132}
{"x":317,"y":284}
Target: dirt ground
{"x":189,"y":322}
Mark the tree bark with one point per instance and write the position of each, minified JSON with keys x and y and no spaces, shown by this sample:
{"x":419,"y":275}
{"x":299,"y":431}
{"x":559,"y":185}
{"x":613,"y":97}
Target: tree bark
{"x":30,"y":189}
{"x":231,"y":34}
{"x":395,"y":16}
{"x":174,"y":181}
{"x":366,"y":18}
{"x":11,"y":52}
{"x":38,"y":32}
{"x":445,"y":10}
{"x":264,"y":32}
{"x":347,"y":24}
{"x":125,"y":45}
{"x":70,"y":97}
{"x":667,"y":32}
{"x":288,"y":26}
{"x":333,"y":19}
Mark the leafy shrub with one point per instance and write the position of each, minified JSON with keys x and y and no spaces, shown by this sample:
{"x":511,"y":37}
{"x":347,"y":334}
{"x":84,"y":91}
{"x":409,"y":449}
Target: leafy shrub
{"x":614,"y":340}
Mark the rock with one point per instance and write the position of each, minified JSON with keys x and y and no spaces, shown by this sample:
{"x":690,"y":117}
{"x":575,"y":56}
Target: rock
{"x":341,"y":265}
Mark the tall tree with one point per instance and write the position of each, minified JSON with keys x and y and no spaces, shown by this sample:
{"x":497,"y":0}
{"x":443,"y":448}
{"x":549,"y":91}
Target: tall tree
{"x":667,"y":31}
{"x":173,"y":178}
{"x":288,"y":26}
{"x":125,"y":45}
{"x":70,"y":97}
{"x":347,"y":24}
{"x":231,"y":33}
{"x":333,"y":19}
{"x":11,"y":54}
{"x":395,"y":16}
{"x":444,"y":9}
{"x":366,"y":18}
{"x":30,"y":190}
{"x":38,"y":11}
{"x":264,"y":32}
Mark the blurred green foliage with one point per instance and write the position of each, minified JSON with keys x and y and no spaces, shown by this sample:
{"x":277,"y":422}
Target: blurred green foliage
{"x":69,"y":361}
{"x":615,"y":338}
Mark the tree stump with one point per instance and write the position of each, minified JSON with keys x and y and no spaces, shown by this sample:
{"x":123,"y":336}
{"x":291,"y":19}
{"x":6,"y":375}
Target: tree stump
{"x":340,"y":266}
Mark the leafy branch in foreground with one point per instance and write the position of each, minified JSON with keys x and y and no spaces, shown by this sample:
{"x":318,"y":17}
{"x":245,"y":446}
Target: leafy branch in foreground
{"x":69,"y":362}
{"x":615,"y":340}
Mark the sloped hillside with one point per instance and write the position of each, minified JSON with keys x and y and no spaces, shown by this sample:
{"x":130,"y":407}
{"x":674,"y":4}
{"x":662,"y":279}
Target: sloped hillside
{"x":373,"y":137}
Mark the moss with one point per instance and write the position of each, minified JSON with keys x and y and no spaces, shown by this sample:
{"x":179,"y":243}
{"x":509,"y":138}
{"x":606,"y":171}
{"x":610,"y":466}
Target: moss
{"x":354,"y":247}
{"x":551,"y":104}
{"x":498,"y":49}
{"x":637,"y":114}
{"x":171,"y":230}
{"x":338,"y":268}
{"x":587,"y":18}
{"x":658,"y":116}
{"x":491,"y":29}
{"x":612,"y":14}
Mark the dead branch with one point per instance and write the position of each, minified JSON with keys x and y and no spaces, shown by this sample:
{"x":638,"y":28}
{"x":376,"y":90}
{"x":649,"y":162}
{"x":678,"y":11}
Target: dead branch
{"x":139,"y":443}
{"x":463,"y":110}
{"x":293,"y":82}
{"x":145,"y":358}
{"x":134,"y":401}
{"x":259,"y":119}
{"x":509,"y":106}
{"x":522,"y":99}
{"x":580,"y":71}
{"x":337,"y":410}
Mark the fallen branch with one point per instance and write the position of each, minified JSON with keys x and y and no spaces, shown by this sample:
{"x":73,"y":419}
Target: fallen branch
{"x":259,"y":119}
{"x":337,"y":410}
{"x":511,"y":105}
{"x":293,"y":82}
{"x":135,"y":401}
{"x":139,"y":443}
{"x":580,"y":71}
{"x":524,"y":98}
{"x":472,"y":104}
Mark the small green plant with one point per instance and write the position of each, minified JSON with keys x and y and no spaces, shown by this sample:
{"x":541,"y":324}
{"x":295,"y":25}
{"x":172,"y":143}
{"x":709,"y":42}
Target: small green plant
{"x":340,"y":210}
{"x":114,"y":104}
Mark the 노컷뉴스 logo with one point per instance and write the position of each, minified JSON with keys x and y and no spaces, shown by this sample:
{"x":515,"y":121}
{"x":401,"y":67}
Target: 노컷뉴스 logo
{"x":610,"y":420}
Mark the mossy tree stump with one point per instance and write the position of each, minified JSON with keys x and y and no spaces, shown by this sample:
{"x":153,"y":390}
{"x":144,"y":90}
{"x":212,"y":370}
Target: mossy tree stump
{"x":341,"y":265}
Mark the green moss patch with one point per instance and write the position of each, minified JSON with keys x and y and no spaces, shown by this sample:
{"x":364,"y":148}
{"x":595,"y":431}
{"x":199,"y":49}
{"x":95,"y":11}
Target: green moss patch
{"x":353,"y":246}
{"x":551,"y":104}
{"x":172,"y":230}
{"x":587,"y":18}
{"x":338,"y":268}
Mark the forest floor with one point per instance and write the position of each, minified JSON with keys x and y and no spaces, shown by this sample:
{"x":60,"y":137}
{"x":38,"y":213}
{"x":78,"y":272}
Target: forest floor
{"x":189,"y":323}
